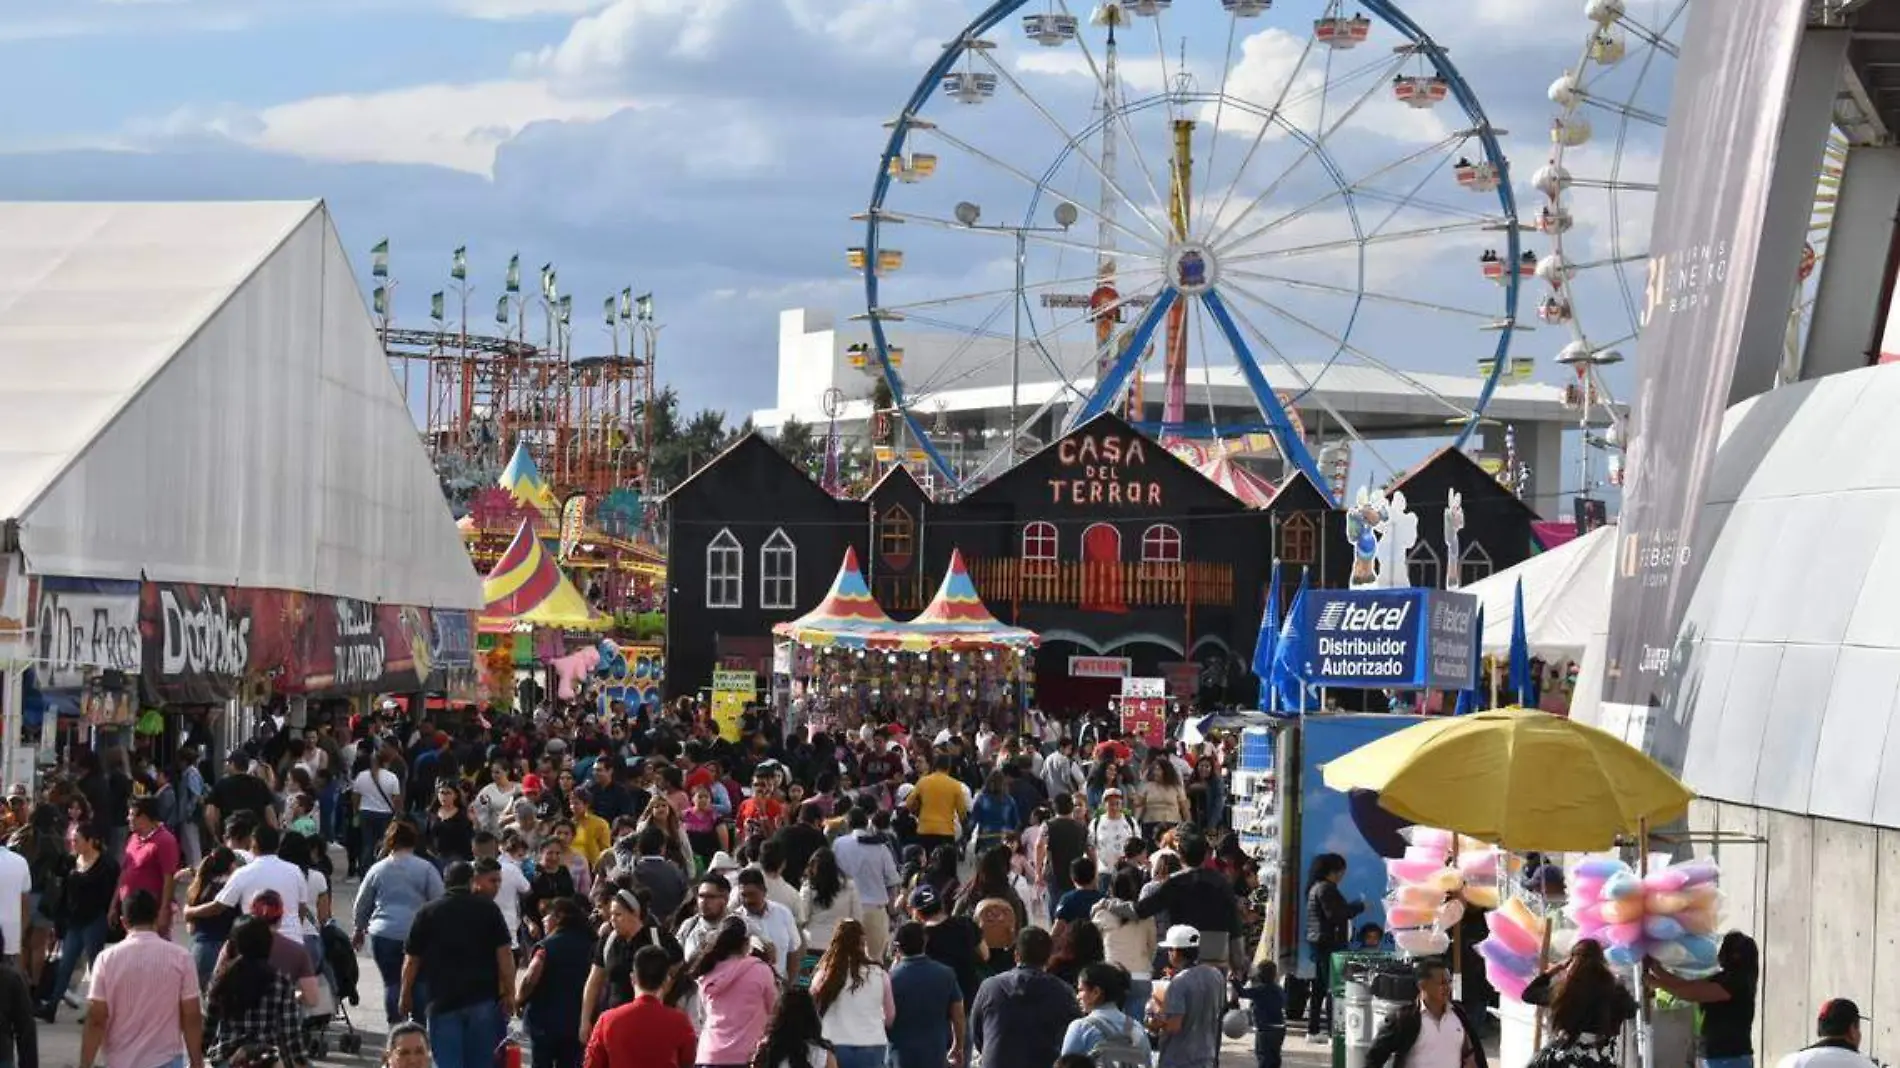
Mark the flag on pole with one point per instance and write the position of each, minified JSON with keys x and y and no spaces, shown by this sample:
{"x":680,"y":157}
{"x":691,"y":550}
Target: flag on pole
{"x":1468,"y":699}
{"x":501,"y":309}
{"x":435,"y":305}
{"x":608,"y":311}
{"x":643,"y":307}
{"x":458,"y":268}
{"x":379,"y":259}
{"x":548,"y":289}
{"x":379,"y":301}
{"x":514,"y":273}
{"x":566,"y":305}
{"x":1289,"y":673}
{"x":1520,"y":651}
{"x":1269,"y":630}
{"x":626,"y":305}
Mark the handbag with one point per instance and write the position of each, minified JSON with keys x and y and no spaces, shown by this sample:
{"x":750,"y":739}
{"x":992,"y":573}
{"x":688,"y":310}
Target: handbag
{"x":1564,"y":1051}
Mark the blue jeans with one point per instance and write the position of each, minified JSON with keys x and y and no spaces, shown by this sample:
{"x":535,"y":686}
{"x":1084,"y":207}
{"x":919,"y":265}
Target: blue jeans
{"x":1728,"y":1062}
{"x":204,"y":953}
{"x":387,"y":953}
{"x":859,"y":1056}
{"x":82,"y":940}
{"x":467,"y":1037}
{"x":1139,"y":991}
{"x":373,"y":824}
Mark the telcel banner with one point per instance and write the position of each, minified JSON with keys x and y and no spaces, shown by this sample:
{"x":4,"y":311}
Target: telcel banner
{"x":1391,"y":639}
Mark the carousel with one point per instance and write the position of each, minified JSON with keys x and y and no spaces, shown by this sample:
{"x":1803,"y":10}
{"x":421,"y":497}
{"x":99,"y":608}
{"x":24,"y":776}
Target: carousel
{"x":847,"y":657}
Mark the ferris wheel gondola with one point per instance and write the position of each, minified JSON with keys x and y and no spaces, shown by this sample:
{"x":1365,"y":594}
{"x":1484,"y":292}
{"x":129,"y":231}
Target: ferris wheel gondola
{"x":1283,"y":227}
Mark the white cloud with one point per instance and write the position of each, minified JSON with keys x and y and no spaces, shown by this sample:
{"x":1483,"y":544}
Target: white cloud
{"x":460,"y":127}
{"x":605,"y":44}
{"x":521,"y":9}
{"x":1271,"y":69}
{"x":1141,"y":75}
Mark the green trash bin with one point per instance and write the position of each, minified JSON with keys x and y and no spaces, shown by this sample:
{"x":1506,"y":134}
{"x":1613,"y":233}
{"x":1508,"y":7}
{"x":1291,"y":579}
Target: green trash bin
{"x":1352,"y":1004}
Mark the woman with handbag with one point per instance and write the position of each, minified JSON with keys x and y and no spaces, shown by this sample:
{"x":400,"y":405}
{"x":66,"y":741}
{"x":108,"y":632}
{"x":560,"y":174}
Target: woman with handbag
{"x":1588,"y":1008}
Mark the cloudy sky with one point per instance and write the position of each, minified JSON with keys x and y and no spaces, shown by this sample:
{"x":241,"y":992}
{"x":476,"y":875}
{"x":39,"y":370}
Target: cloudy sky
{"x":711,"y":151}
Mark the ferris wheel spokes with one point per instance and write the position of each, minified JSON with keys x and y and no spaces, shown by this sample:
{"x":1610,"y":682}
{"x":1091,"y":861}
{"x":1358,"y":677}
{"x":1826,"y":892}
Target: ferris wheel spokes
{"x":1292,"y":445}
{"x":1321,"y":247}
{"x":1340,"y":190}
{"x":1279,"y":103}
{"x":1016,"y":172}
{"x":1367,"y":294}
{"x":1314,"y":147}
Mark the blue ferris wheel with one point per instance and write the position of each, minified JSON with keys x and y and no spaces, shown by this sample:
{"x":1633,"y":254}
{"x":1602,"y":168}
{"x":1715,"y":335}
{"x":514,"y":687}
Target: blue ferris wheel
{"x":1217,"y":244}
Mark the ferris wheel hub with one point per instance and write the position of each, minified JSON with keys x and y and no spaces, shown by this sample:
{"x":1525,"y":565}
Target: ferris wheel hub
{"x":1192,"y":268}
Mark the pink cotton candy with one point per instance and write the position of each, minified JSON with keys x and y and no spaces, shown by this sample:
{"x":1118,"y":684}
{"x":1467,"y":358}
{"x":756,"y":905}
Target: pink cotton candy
{"x":1668,"y":880}
{"x":1585,"y":888}
{"x":1433,"y":838}
{"x":1622,"y":911}
{"x":1397,"y":916}
{"x":1598,"y":868}
{"x":1624,"y":934}
{"x":1699,"y":872}
{"x":1510,"y":936}
{"x":1511,"y":986}
{"x":1407,"y":870}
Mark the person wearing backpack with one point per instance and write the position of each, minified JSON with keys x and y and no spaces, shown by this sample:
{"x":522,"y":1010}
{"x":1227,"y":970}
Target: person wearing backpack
{"x":1106,"y":1033}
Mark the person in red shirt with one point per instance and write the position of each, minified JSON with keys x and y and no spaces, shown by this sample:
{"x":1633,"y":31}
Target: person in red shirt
{"x":763,"y":806}
{"x":151,"y":861}
{"x":645,"y":1032}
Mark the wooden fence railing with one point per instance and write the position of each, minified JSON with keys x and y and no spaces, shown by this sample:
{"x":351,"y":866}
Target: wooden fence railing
{"x":1101,"y":584}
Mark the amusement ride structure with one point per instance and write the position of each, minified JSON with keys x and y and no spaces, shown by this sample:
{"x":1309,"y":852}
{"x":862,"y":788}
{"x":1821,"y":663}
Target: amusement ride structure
{"x":522,"y":429}
{"x":1199,"y":248}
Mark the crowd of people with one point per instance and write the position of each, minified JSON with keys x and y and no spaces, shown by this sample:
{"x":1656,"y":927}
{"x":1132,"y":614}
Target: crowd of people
{"x":636,"y":891}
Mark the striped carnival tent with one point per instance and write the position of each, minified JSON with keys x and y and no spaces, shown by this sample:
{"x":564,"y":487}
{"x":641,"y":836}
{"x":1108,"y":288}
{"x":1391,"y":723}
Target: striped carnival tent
{"x":1252,"y":490}
{"x":522,"y":477}
{"x":956,"y":618}
{"x":848,"y":616}
{"x":526,"y":589}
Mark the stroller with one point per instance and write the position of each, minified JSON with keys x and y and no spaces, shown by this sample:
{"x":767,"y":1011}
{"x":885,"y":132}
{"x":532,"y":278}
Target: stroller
{"x":336,"y":985}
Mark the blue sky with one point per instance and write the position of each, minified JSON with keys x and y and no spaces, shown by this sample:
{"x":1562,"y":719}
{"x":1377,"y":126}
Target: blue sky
{"x":708,"y":150}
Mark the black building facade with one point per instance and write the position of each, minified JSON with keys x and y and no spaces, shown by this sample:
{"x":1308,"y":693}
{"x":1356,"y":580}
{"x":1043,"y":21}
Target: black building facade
{"x":1104,"y":543}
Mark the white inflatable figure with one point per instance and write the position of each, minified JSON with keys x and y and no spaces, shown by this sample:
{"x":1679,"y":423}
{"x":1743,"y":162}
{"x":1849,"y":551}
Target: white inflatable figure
{"x":1454,"y":545}
{"x":1396,"y":535}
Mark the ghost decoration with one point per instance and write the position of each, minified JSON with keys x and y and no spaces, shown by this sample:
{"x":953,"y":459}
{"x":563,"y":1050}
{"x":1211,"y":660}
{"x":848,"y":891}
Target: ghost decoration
{"x":1454,"y":543}
{"x":1396,"y":535}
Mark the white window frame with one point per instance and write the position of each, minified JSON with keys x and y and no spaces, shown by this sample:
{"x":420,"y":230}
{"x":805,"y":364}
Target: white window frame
{"x":1042,"y":531}
{"x":1159,"y":535}
{"x":778,"y":590}
{"x":725,"y":571}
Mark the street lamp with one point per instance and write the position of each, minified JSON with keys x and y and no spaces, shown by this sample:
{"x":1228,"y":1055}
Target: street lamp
{"x":967,"y":215}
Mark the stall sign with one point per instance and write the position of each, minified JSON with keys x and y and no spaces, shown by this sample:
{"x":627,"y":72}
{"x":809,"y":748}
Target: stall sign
{"x":200,"y":643}
{"x":86,"y":626}
{"x":356,"y":647}
{"x":1379,"y":639}
{"x":1145,"y":710}
{"x":732,"y":691}
{"x":1103,"y":468}
{"x":1099,"y":667}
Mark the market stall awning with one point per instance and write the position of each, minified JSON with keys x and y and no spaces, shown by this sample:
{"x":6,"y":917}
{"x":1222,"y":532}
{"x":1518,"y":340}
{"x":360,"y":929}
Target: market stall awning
{"x":1566,"y":598}
{"x":526,"y":589}
{"x":848,"y":616}
{"x":956,"y":618}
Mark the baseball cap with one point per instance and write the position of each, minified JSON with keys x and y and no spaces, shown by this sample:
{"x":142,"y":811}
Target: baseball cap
{"x":1837,"y":1015}
{"x":924,"y":899}
{"x":1111,"y":792}
{"x":531,"y":783}
{"x":268,"y":906}
{"x":1181,"y":936}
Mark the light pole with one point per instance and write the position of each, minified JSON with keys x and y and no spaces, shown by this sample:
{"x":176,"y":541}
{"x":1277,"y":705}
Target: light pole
{"x":967,"y":215}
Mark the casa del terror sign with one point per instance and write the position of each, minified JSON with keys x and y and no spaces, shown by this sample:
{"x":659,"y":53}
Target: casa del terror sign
{"x":1103,"y":469}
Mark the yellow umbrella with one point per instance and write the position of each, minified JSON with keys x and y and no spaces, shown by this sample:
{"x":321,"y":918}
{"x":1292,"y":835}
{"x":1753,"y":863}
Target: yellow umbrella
{"x":1516,"y":777}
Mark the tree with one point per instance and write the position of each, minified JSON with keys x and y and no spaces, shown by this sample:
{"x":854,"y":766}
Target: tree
{"x":798,"y":443}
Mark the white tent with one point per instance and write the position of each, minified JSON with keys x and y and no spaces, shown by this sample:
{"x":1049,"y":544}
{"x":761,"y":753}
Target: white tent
{"x":1566,"y":597}
{"x":196,"y":393}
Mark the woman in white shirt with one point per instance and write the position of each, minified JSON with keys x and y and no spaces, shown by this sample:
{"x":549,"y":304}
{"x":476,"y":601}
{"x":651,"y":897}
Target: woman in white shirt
{"x":853,"y":997}
{"x":378,"y":799}
{"x":492,"y":803}
{"x":827,"y":897}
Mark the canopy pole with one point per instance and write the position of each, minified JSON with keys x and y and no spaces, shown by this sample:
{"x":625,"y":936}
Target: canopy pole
{"x":1645,"y":1044}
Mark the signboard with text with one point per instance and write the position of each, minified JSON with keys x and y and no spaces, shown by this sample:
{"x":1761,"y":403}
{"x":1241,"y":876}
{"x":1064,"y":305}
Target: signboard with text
{"x":86,"y":626}
{"x":1145,"y":710}
{"x":1099,"y":667}
{"x":731,"y":692}
{"x":1105,"y":468}
{"x":1391,"y":639}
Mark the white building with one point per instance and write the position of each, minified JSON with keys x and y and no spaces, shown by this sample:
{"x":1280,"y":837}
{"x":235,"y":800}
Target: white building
{"x":966,"y":386}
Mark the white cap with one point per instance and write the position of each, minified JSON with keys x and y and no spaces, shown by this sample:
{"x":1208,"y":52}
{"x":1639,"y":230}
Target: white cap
{"x":722,"y":862}
{"x":943,"y":737}
{"x":1181,"y":936}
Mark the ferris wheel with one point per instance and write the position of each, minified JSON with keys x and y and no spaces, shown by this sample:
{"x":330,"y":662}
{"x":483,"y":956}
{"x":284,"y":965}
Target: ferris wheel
{"x":1208,"y":215}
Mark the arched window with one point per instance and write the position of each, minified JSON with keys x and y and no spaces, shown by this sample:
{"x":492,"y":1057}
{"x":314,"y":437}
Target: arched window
{"x":896,"y":537}
{"x":1422,"y":563}
{"x":1161,"y":544}
{"x":1041,"y":542}
{"x":778,"y":572}
{"x":1473,"y":564}
{"x":725,"y":572}
{"x":1299,"y":540}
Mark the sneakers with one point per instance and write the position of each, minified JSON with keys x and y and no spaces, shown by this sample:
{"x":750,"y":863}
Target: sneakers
{"x":71,"y":999}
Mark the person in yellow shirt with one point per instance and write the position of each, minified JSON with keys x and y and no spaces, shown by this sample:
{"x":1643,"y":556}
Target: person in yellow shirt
{"x":940,"y":803}
{"x":592,"y":836}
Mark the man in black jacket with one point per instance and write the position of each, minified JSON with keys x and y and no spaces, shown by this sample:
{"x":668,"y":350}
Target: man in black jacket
{"x":1201,"y":899}
{"x":1431,"y":1032}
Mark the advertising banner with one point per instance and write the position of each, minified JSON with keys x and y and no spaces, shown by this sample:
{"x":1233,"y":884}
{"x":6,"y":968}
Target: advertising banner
{"x":86,"y":626}
{"x":200,"y":643}
{"x":1732,"y":87}
{"x":731,"y":692}
{"x":355,"y":647}
{"x":1145,"y":710}
{"x":1412,"y":639}
{"x":1099,"y":667}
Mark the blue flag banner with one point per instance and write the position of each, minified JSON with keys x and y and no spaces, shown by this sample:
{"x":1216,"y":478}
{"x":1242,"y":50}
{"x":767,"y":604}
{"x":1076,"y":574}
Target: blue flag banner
{"x":1520,"y":651}
{"x":1269,"y":628}
{"x":1469,"y":699}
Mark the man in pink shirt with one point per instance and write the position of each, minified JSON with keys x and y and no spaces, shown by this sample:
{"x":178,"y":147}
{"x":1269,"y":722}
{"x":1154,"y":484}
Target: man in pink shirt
{"x":143,"y":1009}
{"x":151,"y":861}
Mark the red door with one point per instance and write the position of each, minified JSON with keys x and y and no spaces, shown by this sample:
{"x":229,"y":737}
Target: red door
{"x":1102,"y":569}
